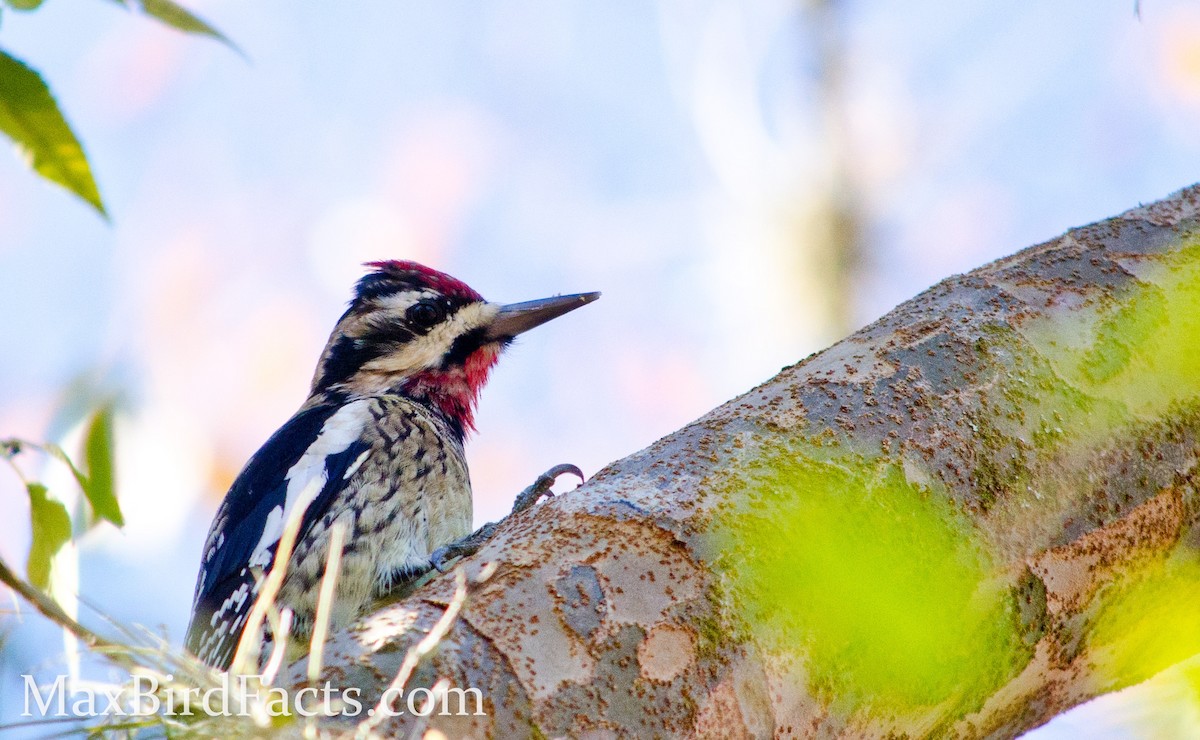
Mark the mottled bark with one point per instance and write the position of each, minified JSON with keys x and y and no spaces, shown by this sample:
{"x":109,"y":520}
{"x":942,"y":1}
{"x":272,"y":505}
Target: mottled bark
{"x":616,"y":609}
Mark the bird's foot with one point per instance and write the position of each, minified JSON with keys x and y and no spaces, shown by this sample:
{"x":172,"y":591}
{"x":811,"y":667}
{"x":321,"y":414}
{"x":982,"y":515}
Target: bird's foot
{"x":541,"y":486}
{"x":470,"y":544}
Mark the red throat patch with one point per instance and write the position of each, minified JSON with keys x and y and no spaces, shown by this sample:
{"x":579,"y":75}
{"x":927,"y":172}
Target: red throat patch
{"x":455,"y":391}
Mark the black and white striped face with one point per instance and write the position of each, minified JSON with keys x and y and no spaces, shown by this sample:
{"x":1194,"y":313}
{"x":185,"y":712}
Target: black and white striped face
{"x":405,"y":320}
{"x":420,"y":333}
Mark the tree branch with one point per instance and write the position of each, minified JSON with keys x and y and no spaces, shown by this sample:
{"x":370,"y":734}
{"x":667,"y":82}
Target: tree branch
{"x":51,"y":610}
{"x":964,"y":519}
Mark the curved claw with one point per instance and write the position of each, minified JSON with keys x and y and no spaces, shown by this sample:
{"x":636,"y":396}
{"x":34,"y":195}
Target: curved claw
{"x":551,"y":475}
{"x":541,"y":486}
{"x":440,"y":557}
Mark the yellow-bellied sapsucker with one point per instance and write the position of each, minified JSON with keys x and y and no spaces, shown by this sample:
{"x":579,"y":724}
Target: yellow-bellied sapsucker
{"x":378,"y":446}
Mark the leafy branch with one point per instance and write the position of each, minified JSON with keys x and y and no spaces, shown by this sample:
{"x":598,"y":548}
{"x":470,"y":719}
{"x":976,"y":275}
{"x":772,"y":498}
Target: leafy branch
{"x":31,"y":118}
{"x":50,"y":522}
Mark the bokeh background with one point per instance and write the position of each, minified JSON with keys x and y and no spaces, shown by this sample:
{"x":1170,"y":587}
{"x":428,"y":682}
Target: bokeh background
{"x":745,"y":181}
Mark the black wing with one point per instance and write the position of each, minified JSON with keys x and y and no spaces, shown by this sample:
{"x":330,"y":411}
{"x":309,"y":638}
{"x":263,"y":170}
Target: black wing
{"x":226,"y":587}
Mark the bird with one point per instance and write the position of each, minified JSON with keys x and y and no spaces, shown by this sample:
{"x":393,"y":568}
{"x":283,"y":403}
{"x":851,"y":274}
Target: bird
{"x":377,"y":447}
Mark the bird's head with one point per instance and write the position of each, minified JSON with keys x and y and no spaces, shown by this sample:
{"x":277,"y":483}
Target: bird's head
{"x":420,"y":333}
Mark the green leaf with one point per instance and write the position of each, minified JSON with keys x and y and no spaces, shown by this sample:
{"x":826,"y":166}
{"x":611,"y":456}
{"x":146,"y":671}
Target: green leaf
{"x":60,"y":454}
{"x":98,"y":452}
{"x":23,"y":4}
{"x":51,"y":530}
{"x":182,"y":19}
{"x":30,"y":117}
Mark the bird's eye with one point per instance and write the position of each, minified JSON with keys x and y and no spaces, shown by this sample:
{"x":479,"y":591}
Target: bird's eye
{"x":425,"y":313}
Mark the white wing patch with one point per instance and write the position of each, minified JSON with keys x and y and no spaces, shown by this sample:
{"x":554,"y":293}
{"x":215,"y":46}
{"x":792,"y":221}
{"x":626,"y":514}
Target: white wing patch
{"x":272,"y":531}
{"x":307,"y":477}
{"x":354,"y":466}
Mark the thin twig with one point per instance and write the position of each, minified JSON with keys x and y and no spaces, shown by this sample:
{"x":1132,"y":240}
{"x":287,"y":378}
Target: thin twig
{"x":250,"y":642}
{"x":279,"y":649}
{"x":413,"y":657}
{"x":52,"y":611}
{"x":333,"y":564}
{"x":421,"y":725}
{"x":13,"y":446}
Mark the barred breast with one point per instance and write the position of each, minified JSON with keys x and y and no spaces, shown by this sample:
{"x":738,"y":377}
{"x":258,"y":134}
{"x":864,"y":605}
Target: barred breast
{"x":406,"y":495}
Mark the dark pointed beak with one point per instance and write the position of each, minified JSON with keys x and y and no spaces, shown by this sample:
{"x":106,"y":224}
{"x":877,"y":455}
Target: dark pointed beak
{"x":521,"y":317}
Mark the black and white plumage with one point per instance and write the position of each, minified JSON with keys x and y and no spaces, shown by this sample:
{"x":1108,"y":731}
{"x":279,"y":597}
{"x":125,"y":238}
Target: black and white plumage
{"x":378,"y":446}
